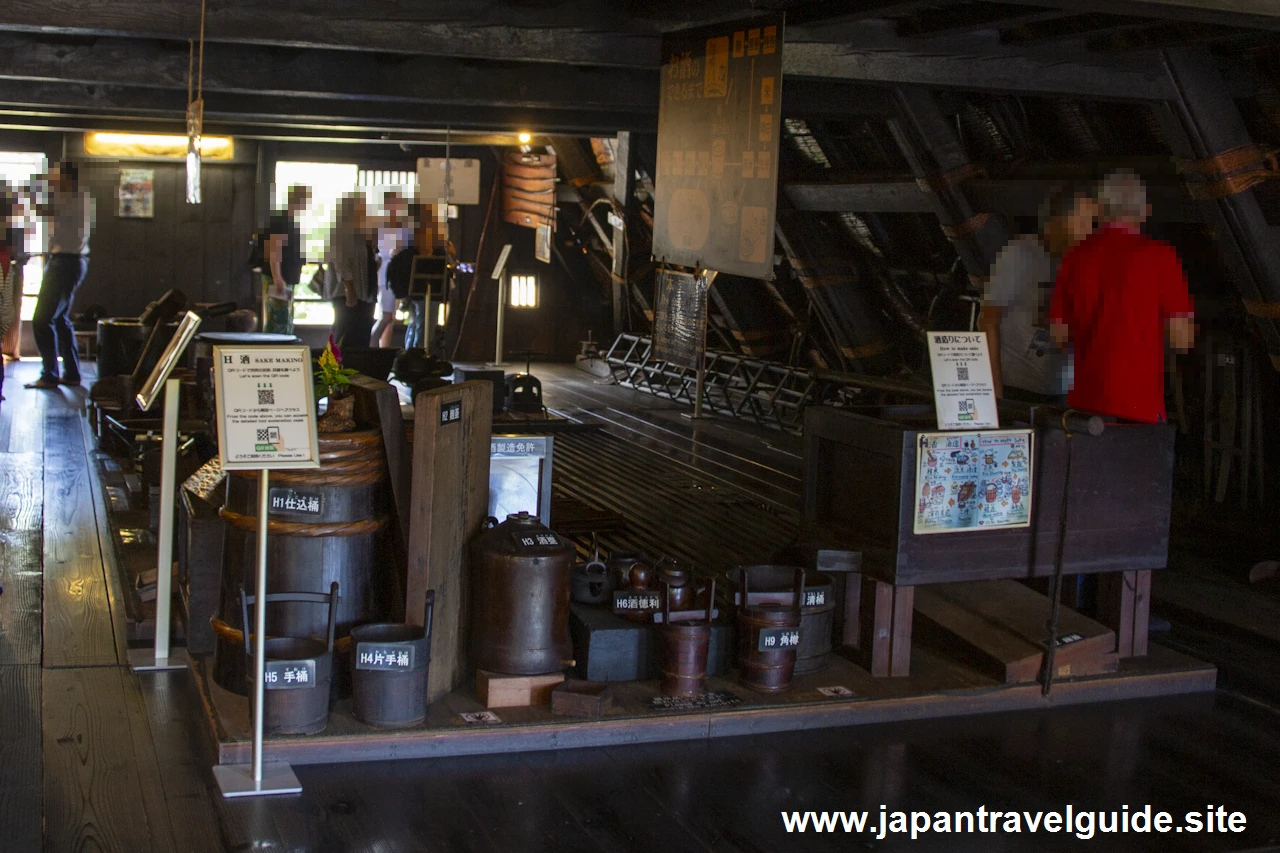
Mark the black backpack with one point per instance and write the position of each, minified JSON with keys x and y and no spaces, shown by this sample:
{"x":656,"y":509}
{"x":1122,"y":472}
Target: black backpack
{"x":258,"y":251}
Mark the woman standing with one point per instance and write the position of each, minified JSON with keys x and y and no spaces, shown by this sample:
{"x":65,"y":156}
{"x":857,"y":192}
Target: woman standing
{"x":354,"y":266}
{"x":394,"y":232}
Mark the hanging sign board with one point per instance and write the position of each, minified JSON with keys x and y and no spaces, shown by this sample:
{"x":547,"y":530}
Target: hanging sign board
{"x":454,"y":180}
{"x":963,"y":389}
{"x":968,"y":481}
{"x":266,"y":407}
{"x":719,"y":113}
{"x":680,"y":319}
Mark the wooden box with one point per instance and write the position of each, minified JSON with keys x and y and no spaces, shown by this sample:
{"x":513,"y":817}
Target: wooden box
{"x":860,"y":495}
{"x":515,"y":691}
{"x":586,"y":699}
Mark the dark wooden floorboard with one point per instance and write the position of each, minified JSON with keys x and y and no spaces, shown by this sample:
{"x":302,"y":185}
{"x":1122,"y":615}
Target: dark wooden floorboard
{"x":116,"y":601}
{"x":20,"y":757}
{"x":164,"y":706}
{"x":23,"y":583}
{"x":78,"y":627}
{"x":95,"y":797}
{"x":23,"y":411}
{"x":21,"y":490}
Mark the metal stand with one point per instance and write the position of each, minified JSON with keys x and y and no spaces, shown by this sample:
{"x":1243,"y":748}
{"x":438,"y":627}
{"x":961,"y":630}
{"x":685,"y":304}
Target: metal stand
{"x":698,"y":387}
{"x":162,"y":657}
{"x":237,"y":780}
{"x":502,"y":311}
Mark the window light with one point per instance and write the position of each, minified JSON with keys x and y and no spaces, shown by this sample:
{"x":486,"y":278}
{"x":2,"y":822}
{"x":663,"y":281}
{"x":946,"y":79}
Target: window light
{"x":155,"y":145}
{"x":524,"y":291}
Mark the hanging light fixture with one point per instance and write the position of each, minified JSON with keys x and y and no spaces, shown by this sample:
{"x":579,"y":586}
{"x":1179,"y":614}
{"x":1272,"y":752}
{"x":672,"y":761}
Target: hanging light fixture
{"x":195,"y":117}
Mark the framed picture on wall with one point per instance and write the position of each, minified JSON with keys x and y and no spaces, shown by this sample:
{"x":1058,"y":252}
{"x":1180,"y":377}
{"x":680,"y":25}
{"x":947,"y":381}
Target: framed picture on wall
{"x":542,"y":244}
{"x":137,"y":193}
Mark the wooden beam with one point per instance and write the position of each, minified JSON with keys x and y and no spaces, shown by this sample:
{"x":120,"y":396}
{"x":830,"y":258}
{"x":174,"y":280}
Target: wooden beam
{"x":969,"y":18}
{"x":1011,"y":197}
{"x":404,"y":80}
{"x":986,"y":66}
{"x":1261,"y":14}
{"x":446,"y":29}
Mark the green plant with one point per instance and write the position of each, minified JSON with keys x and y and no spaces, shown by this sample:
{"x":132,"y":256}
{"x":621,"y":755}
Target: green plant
{"x":332,"y":379}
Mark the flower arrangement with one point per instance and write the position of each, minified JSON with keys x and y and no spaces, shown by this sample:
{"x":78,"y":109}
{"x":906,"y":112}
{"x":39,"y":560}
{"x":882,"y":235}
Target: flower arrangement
{"x":333,"y":379}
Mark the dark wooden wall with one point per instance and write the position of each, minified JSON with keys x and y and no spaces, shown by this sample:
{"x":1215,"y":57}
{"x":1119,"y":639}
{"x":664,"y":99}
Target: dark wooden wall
{"x":200,"y":249}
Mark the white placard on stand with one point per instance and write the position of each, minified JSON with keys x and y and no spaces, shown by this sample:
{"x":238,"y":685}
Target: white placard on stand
{"x":963,"y":389}
{"x":266,"y":413}
{"x":160,"y":657}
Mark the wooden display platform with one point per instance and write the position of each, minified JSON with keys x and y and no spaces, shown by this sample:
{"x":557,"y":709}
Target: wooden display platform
{"x":938,"y":687}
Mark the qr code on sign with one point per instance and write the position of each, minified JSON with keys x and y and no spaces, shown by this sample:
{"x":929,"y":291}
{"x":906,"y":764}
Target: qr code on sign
{"x":962,"y":373}
{"x":264,"y":434}
{"x":266,"y":397}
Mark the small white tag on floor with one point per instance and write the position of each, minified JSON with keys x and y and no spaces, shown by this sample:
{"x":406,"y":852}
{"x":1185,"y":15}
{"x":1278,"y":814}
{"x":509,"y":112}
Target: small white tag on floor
{"x":963,"y":389}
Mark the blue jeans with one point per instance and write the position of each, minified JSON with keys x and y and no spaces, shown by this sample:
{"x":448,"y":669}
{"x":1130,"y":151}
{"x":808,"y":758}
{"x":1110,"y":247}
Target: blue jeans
{"x":51,"y":323}
{"x":417,"y":324}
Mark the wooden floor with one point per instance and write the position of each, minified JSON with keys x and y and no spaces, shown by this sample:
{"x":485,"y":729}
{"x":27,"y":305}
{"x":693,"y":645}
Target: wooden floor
{"x":93,"y":758}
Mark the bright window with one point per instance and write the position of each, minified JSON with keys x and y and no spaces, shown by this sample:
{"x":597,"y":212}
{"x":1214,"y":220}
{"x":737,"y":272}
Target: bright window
{"x":17,"y":169}
{"x":328,"y":183}
{"x":524,"y":291}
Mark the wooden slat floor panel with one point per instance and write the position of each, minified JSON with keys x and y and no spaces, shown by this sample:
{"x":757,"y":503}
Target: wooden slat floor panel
{"x":20,"y":609}
{"x":21,"y":796}
{"x":21,"y":488}
{"x":78,"y":624}
{"x":93,"y":788}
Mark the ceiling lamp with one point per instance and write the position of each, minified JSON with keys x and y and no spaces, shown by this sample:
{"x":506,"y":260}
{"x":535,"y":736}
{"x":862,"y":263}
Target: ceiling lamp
{"x":126,"y":145}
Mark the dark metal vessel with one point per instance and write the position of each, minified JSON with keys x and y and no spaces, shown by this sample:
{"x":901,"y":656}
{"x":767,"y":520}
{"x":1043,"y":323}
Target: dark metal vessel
{"x":521,"y":575}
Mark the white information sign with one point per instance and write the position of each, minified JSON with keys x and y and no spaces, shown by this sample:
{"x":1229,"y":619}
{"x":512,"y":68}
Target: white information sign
{"x":266,"y":407}
{"x":963,"y":389}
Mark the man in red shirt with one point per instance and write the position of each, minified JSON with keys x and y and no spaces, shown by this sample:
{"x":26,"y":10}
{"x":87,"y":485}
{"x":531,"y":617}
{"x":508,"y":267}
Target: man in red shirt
{"x":1119,"y":295}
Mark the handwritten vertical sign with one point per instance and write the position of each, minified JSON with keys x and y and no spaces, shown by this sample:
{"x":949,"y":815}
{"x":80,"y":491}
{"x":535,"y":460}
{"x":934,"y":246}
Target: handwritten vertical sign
{"x":719,"y":113}
{"x":963,"y":389}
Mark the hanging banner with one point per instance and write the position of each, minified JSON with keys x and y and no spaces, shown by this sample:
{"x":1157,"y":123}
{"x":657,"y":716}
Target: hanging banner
{"x":963,"y":390}
{"x":719,"y":114}
{"x":680,"y":319}
{"x":973,"y":481}
{"x":266,"y":407}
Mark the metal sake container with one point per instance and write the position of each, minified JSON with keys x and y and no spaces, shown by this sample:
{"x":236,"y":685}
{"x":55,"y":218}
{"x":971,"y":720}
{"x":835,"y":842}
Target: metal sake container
{"x":520,"y":585}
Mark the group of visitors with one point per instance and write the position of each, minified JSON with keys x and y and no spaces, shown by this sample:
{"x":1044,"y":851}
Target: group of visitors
{"x":359,"y":275}
{"x":1081,"y":311}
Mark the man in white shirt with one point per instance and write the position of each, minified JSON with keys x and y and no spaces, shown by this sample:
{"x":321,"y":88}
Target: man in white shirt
{"x":1025,"y":364}
{"x":70,"y":215}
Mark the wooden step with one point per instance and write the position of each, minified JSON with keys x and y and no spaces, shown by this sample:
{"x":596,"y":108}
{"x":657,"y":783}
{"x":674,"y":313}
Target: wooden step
{"x":1000,"y":627}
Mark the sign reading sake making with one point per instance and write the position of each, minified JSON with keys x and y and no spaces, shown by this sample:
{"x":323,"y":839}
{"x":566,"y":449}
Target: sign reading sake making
{"x":266,"y":407}
{"x":962,"y":385}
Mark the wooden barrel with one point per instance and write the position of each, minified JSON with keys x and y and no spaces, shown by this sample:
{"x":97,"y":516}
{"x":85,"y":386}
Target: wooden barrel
{"x":773,"y":585}
{"x":325,"y":525}
{"x":389,"y":694}
{"x":768,"y":671}
{"x":684,"y":658}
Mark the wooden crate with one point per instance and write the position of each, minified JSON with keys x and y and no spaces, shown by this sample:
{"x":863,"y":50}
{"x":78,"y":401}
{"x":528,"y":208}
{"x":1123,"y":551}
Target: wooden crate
{"x":515,"y":691}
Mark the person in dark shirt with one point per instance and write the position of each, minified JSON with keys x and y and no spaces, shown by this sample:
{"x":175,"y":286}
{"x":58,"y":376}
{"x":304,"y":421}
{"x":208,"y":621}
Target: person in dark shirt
{"x":354,"y":262}
{"x":284,"y":262}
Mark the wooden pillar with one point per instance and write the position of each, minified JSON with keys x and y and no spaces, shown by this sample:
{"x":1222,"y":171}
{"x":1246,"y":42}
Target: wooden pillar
{"x":1124,"y":605}
{"x":624,"y":194}
{"x":451,"y":431}
{"x":938,"y":159}
{"x":1203,"y":122}
{"x":885,"y":624}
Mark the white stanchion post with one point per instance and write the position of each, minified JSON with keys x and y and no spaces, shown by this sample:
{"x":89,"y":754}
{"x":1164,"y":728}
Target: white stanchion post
{"x":161,"y":657}
{"x":277,"y":777}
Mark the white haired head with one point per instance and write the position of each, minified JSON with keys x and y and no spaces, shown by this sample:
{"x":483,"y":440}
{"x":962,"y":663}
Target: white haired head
{"x":1123,"y":197}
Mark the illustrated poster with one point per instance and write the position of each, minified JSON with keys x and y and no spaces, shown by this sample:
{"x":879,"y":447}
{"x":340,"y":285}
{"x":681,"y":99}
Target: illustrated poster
{"x":137,"y":194}
{"x":973,"y":481}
